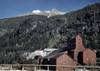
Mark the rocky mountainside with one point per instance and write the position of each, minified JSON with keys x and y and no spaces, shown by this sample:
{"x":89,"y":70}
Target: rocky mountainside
{"x":36,"y":32}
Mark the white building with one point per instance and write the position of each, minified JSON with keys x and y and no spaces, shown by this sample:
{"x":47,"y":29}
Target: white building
{"x":42,"y":53}
{"x":47,"y":51}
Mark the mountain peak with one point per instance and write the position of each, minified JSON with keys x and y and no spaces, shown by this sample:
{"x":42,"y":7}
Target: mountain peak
{"x":50,"y":13}
{"x":54,"y":10}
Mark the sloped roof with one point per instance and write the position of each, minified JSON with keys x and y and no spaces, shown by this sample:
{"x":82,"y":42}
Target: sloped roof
{"x":49,"y":50}
{"x":57,"y":53}
{"x":54,"y":56}
{"x":89,"y":49}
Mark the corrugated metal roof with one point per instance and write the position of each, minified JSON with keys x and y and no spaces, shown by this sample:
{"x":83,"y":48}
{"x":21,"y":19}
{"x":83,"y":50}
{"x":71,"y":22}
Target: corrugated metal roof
{"x":50,"y":50}
{"x":53,"y":56}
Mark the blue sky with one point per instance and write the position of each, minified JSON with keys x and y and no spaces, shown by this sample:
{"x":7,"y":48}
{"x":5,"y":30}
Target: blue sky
{"x":10,"y":8}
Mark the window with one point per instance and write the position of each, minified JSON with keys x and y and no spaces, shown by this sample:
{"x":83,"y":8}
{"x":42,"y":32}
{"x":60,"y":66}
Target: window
{"x":86,"y":58}
{"x":74,"y":62}
{"x":76,"y":54}
{"x":78,"y":43}
{"x":61,"y":57}
{"x":65,"y":62}
{"x":92,"y":59}
{"x":78,"y":38}
{"x":78,"y":48}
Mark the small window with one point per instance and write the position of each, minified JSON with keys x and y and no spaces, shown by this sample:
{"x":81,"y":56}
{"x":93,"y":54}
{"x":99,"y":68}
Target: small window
{"x":65,"y":62}
{"x":78,"y":43}
{"x":78,"y":48}
{"x":74,"y":62}
{"x":86,"y":58}
{"x":78,"y":38}
{"x":61,"y":57}
{"x":76,"y":54}
{"x":92,"y":59}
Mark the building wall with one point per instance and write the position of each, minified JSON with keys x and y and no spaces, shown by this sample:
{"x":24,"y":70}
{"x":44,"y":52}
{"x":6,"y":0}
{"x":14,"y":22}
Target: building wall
{"x":79,"y":47}
{"x":79,"y":43}
{"x":65,"y":60}
{"x":47,"y":51}
{"x":89,"y":57}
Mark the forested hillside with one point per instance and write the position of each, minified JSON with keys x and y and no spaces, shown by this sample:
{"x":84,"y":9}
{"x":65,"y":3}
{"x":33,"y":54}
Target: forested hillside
{"x":34,"y":32}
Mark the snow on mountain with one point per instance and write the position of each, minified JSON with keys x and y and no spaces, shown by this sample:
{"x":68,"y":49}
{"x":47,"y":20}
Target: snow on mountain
{"x":53,"y":12}
{"x":50,"y":13}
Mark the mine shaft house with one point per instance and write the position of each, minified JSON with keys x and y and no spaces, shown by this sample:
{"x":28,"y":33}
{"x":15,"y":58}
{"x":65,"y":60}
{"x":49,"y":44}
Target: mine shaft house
{"x":74,"y":54}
